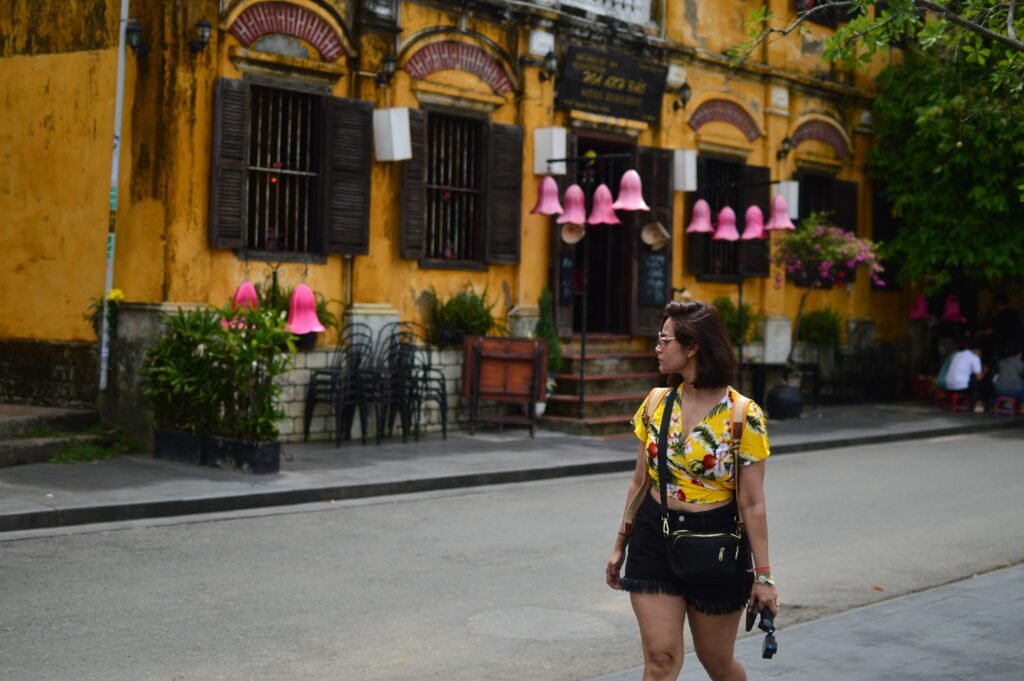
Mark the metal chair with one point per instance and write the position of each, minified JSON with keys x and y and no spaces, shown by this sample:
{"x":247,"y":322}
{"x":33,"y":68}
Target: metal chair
{"x":405,"y":380}
{"x":342,"y":384}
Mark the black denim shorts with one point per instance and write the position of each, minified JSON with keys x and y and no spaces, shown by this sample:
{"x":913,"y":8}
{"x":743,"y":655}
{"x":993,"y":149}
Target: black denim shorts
{"x":647,"y":569}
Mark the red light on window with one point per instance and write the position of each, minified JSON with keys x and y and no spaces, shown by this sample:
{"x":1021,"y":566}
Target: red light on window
{"x":273,"y":180}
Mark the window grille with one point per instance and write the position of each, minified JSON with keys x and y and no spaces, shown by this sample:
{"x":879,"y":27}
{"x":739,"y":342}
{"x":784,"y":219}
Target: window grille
{"x":284,"y":170}
{"x":453,"y":186}
{"x":719,"y":182}
{"x":631,"y":11}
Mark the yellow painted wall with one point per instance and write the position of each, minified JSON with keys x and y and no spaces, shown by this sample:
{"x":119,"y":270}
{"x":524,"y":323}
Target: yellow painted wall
{"x":59,"y":103}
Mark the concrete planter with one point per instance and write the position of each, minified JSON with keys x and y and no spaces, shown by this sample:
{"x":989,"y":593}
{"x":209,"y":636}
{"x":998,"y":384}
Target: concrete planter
{"x":176,"y":445}
{"x":245,"y":457}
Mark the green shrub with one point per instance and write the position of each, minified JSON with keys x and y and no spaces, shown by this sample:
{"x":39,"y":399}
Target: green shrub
{"x":821,"y":327}
{"x":205,"y":379}
{"x":546,"y":330}
{"x":466,"y":313}
{"x":731,"y":319}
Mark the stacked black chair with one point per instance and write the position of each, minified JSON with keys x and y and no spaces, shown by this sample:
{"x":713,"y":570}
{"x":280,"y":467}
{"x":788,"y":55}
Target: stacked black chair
{"x":404,"y":380}
{"x":343,"y":383}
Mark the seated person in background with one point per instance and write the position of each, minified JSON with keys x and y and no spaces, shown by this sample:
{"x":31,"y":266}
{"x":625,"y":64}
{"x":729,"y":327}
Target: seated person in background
{"x":1009,"y":379}
{"x":965,"y":374}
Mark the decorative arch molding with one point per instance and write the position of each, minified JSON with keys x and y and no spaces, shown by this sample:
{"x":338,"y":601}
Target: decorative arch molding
{"x":249,"y":21}
{"x":717,"y":107}
{"x":822,"y":129}
{"x":499,"y":75}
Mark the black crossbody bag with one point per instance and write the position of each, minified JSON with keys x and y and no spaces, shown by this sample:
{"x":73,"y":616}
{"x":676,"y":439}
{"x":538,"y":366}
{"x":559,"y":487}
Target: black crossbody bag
{"x":700,"y":555}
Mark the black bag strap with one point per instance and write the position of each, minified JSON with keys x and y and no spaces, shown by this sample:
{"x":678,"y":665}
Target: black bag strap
{"x":666,"y":421}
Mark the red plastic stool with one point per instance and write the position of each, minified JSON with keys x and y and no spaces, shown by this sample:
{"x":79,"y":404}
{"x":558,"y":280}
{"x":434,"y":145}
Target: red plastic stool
{"x":958,"y":399}
{"x":1005,"y":406}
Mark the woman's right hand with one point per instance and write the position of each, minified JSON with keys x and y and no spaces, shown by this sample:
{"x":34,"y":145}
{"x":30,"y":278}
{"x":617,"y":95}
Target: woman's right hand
{"x":612,"y":570}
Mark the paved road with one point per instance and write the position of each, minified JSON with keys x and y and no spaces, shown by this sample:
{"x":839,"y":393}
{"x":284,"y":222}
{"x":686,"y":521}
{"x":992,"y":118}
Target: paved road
{"x":973,"y":629}
{"x":489,"y":583}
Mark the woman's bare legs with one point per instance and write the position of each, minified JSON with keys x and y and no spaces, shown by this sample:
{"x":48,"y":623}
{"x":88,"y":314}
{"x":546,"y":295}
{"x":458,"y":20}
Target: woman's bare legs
{"x":661,"y":618}
{"x":714,"y":640}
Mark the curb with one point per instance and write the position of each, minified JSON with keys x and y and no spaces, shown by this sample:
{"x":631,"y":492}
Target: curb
{"x":83,"y":515}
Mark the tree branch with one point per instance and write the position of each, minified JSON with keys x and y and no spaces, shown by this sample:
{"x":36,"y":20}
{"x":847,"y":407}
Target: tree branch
{"x":1011,"y":30}
{"x":1009,"y":41}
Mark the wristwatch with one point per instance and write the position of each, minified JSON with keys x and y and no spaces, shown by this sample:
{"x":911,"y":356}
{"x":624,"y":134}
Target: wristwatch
{"x":762,"y":579}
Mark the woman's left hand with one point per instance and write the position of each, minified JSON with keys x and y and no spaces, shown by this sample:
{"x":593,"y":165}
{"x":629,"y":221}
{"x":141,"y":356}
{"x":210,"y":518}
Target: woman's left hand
{"x":764,"y":596}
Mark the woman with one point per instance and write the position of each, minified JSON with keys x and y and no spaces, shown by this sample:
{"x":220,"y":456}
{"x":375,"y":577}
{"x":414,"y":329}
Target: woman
{"x":694,"y":350}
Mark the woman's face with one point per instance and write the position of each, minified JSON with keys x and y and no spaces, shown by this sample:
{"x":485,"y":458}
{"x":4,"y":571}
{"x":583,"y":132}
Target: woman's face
{"x":672,"y":356}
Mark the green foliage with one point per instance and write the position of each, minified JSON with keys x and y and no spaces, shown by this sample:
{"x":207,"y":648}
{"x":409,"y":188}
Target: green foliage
{"x":731,"y":318}
{"x":546,"y":330}
{"x":821,"y":327}
{"x":209,"y":379}
{"x":94,"y":313}
{"x":272,"y":297}
{"x":980,"y":35}
{"x":466,"y":313}
{"x":82,"y":452}
{"x":952,"y":162}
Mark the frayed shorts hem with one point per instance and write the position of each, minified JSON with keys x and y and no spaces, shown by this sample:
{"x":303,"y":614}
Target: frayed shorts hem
{"x":701,"y":605}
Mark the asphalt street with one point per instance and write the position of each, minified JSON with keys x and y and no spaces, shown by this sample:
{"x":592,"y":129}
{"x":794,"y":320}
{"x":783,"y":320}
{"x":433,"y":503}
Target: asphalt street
{"x":501,"y":582}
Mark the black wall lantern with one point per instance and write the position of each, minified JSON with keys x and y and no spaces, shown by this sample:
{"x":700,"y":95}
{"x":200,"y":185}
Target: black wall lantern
{"x":685,"y":92}
{"x":133,"y":36}
{"x":202,"y":39}
{"x":783,"y":152}
{"x":387,"y":70}
{"x":548,"y":66}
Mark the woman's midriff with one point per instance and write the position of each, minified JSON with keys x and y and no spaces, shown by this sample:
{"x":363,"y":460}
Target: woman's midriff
{"x":677,"y":505}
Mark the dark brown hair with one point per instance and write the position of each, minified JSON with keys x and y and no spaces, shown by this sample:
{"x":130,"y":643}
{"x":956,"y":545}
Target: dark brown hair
{"x":699,"y":324}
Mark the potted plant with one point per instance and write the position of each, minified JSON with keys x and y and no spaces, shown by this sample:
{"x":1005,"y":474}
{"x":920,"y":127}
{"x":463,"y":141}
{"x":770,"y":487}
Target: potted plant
{"x":546,"y":330}
{"x":465,"y":313}
{"x":731,"y":318}
{"x":245,"y":373}
{"x":821,"y":330}
{"x":179,"y":386}
{"x":816,"y":254}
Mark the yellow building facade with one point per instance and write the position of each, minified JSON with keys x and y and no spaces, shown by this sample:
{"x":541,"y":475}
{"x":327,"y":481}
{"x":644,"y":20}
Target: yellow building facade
{"x":266,"y":149}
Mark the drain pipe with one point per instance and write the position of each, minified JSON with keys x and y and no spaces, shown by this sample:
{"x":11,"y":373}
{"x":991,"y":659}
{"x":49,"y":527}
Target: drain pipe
{"x":112,"y":221}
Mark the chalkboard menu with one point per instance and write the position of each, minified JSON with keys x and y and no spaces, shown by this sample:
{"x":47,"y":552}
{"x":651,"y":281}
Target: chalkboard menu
{"x":652,"y":278}
{"x":611,"y":84}
{"x":565,"y":280}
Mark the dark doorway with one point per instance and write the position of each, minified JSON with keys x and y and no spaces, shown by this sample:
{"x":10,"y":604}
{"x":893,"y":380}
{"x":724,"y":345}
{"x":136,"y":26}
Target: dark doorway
{"x":608,"y":248}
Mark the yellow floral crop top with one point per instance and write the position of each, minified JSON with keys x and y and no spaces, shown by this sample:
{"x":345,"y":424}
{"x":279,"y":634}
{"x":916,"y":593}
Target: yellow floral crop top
{"x":701,"y":465}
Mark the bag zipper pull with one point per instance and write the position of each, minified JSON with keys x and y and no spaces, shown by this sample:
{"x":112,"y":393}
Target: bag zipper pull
{"x":664,"y":525}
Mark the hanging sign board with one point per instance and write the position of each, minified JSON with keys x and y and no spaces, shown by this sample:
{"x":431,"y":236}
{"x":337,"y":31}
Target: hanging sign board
{"x":611,"y":84}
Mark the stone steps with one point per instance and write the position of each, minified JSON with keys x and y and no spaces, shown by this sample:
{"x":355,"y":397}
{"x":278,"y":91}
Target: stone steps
{"x":606,"y":384}
{"x":30,"y":434}
{"x":613,"y":404}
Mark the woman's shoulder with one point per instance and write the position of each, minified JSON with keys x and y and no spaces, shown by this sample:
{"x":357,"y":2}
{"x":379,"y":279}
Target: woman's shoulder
{"x":753,"y":408}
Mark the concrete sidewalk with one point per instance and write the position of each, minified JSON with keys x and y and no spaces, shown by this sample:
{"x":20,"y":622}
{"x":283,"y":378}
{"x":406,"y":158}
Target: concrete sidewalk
{"x":967,"y":630}
{"x":131,"y":487}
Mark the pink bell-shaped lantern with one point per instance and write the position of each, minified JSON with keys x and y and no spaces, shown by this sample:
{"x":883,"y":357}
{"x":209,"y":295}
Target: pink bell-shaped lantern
{"x":575,"y":207}
{"x":302,"y":312}
{"x":547,"y":198}
{"x":631,"y":196}
{"x":726,"y":226}
{"x":779,"y":219}
{"x":920,"y":311}
{"x":753,"y":224}
{"x":701,"y":221}
{"x":951,"y":315}
{"x":245,"y":297}
{"x":602,"y":213}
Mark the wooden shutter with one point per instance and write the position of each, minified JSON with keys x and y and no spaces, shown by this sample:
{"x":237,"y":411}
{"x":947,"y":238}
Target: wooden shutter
{"x":652,"y":270}
{"x":504,"y":193}
{"x":229,"y":171}
{"x":346,"y":224}
{"x":756,"y":191}
{"x":845,"y":205}
{"x":413,"y":222}
{"x":562,"y":254}
{"x":845,"y":211}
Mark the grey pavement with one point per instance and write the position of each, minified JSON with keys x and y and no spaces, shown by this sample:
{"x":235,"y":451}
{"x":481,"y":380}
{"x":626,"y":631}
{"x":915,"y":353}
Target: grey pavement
{"x":973,"y":629}
{"x":500,"y":581}
{"x":49,"y":495}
